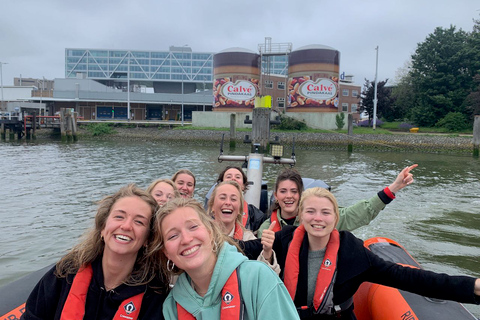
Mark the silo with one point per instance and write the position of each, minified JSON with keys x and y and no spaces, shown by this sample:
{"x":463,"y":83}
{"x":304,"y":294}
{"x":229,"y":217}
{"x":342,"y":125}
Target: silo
{"x":313,"y":73}
{"x":236,"y":75}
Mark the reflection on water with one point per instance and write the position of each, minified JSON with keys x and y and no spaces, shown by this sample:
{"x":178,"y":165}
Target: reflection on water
{"x":49,"y":190}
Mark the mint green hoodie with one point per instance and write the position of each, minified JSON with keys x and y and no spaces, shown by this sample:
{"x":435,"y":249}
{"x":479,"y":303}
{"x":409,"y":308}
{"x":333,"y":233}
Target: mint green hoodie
{"x":263,"y":293}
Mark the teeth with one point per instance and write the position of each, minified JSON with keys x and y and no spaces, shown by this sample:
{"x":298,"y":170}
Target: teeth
{"x":318,"y":227}
{"x":227,"y":211}
{"x":123,"y":238}
{"x":190,"y":251}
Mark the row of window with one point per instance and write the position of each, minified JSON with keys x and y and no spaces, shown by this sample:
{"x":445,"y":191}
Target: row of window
{"x":157,"y":76}
{"x":346,"y":92}
{"x":143,"y":62}
{"x":138,"y":54}
{"x":269,"y":85}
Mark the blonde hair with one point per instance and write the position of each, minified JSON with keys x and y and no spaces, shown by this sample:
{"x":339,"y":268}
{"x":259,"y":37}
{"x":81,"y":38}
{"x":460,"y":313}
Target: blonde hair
{"x":167,"y":181}
{"x":239,"y":216}
{"x":320,"y":193}
{"x":92,"y":245}
{"x":158,"y":243}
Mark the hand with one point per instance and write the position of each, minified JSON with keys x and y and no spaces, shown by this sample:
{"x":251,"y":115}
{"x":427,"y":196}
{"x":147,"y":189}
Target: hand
{"x":268,"y":236}
{"x":403,"y":179}
{"x":477,"y":287}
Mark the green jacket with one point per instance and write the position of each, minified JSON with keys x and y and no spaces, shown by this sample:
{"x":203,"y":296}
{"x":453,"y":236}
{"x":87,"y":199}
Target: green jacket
{"x":351,"y":218}
{"x":260,"y":289}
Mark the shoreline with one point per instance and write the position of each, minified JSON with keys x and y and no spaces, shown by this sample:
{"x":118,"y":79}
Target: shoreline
{"x":399,"y":142}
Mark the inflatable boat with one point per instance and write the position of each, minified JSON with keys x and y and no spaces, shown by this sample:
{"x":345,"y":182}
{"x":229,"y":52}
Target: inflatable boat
{"x":377,"y":302}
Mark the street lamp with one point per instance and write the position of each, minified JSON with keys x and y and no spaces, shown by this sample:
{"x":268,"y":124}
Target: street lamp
{"x":1,"y":80}
{"x":183,"y":71}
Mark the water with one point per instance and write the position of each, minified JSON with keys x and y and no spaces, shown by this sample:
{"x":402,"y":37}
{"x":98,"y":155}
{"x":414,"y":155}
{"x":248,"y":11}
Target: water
{"x":48,"y":194}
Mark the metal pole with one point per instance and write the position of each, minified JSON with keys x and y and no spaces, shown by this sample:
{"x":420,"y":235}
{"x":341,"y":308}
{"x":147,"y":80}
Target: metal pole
{"x":375,"y":95}
{"x":128,"y":89}
{"x":1,"y":81}
{"x":183,"y":72}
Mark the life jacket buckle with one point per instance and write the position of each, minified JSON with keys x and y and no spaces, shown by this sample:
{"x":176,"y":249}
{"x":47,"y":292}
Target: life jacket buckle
{"x":338,"y":311}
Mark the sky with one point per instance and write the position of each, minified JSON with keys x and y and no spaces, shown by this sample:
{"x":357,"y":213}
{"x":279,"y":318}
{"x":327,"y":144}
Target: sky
{"x":34,"y":34}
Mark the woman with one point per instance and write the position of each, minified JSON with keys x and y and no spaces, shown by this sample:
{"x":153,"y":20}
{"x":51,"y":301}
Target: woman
{"x":216,"y":281}
{"x":226,"y":207}
{"x":252,"y":217}
{"x":315,"y":257}
{"x":185,"y":181}
{"x":163,"y":190}
{"x":289,"y":186}
{"x":107,"y":275}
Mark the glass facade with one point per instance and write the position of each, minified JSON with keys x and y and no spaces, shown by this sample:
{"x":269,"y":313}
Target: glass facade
{"x":176,"y":65}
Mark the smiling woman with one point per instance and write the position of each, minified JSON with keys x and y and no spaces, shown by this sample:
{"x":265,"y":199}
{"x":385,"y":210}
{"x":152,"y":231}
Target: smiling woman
{"x":109,"y":268}
{"x":215,"y":280}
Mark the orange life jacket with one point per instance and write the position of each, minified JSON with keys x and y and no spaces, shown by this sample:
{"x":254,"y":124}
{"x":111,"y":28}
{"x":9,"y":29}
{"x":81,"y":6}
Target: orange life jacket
{"x":238,"y":233}
{"x":327,"y":270}
{"x":274,"y":217}
{"x":245,"y":214}
{"x":74,"y":308}
{"x":232,"y":303}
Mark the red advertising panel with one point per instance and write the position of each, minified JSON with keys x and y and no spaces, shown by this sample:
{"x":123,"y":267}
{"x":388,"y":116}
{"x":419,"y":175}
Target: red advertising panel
{"x":238,"y":93}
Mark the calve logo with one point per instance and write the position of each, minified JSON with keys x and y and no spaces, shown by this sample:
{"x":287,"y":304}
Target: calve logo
{"x":240,"y":90}
{"x":322,"y":89}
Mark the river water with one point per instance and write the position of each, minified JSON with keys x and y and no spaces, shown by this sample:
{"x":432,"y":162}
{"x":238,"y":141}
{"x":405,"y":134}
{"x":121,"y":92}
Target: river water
{"x":49,"y":189}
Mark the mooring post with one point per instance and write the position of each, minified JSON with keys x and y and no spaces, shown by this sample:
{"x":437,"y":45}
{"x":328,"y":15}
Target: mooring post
{"x":350,"y":132}
{"x":74,"y":126}
{"x":261,"y":128}
{"x":233,"y":130}
{"x":68,"y":116}
{"x":63,"y":127}
{"x":476,"y":135}
{"x":3,"y":131}
{"x":34,"y":125}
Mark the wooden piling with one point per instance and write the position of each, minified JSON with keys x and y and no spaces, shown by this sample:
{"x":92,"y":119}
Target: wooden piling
{"x":261,"y":128}
{"x":3,"y":132}
{"x":74,"y":126}
{"x":476,"y":136}
{"x":233,"y":130}
{"x":350,"y":133}
{"x":34,"y":125}
{"x":63,"y":127}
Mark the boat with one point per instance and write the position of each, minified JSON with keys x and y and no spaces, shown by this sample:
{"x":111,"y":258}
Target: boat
{"x":376,"y":302}
{"x":372,"y":301}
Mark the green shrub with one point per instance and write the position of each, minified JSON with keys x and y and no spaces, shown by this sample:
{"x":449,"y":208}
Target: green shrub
{"x":287,"y":123}
{"x":98,"y":129}
{"x":340,"y":120}
{"x":453,"y":121}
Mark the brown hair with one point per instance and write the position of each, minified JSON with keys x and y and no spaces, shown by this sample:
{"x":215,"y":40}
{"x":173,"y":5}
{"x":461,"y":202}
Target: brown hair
{"x":241,"y":199}
{"x":92,"y":246}
{"x":244,"y":176}
{"x":288,"y":174}
{"x":320,"y":193}
{"x":158,"y":244}
{"x":185,"y":171}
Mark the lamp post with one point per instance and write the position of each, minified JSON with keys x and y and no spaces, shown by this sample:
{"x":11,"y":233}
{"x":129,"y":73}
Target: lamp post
{"x":375,"y":94}
{"x":1,"y":80}
{"x":183,"y":71}
{"x":128,"y":88}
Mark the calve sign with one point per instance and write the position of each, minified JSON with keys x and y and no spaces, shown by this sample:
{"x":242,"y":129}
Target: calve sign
{"x":322,"y":89}
{"x":240,"y":90}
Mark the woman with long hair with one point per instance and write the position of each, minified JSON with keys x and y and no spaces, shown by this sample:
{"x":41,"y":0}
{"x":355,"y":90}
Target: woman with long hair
{"x":215,"y":280}
{"x":109,"y":273}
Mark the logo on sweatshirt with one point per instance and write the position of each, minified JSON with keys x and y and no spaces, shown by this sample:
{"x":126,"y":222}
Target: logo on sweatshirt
{"x":227,"y":297}
{"x":129,"y":307}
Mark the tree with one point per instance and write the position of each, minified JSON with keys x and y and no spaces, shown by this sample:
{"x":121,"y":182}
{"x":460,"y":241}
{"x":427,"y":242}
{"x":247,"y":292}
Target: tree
{"x":439,"y":75}
{"x":384,"y":99}
{"x":402,"y":92}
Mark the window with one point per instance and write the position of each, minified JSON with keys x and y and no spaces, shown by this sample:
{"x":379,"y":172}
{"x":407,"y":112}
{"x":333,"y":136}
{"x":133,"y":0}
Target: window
{"x":281,"y":102}
{"x":354,"y":93}
{"x":345,"y":92}
{"x":281,"y":85}
{"x":268,"y":84}
{"x":345,"y":107}
{"x":354,"y":107}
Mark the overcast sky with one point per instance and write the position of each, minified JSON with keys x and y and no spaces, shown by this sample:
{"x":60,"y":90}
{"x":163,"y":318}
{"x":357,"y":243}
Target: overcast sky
{"x":34,"y":34}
